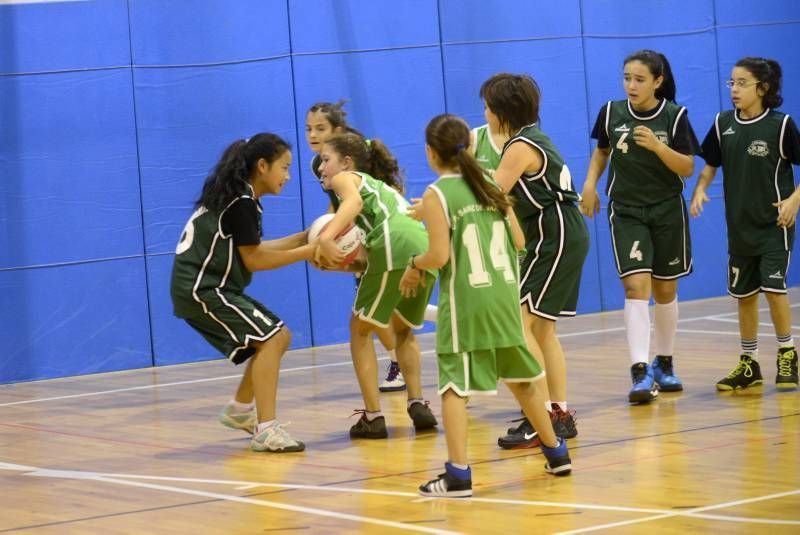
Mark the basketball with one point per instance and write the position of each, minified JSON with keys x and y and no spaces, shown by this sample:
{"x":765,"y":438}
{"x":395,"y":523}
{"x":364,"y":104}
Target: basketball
{"x":350,"y":240}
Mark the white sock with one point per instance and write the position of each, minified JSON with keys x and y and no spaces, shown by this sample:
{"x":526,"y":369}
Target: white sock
{"x":392,"y":354}
{"x":459,"y":466}
{"x":414,"y":400}
{"x":372,"y":415}
{"x":548,"y":406}
{"x":561,"y":405}
{"x":637,"y":329}
{"x":665,"y":323}
{"x":264,"y":425}
{"x":240,"y":407}
{"x":431,"y":312}
{"x":785,"y":341}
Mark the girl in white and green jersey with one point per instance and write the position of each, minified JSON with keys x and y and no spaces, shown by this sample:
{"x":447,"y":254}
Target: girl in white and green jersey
{"x":479,"y":337}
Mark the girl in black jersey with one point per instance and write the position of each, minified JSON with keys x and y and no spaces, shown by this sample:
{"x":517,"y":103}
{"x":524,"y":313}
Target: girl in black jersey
{"x":650,"y":144}
{"x":756,"y":146}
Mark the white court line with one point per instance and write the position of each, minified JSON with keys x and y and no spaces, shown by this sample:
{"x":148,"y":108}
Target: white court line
{"x":107,"y":478}
{"x":763,"y":323}
{"x":698,"y":331}
{"x":210,"y":379}
{"x":248,"y":485}
{"x":687,"y":512}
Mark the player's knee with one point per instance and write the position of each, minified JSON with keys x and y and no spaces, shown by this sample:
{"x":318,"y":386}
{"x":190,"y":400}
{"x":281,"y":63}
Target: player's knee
{"x":283,"y":339}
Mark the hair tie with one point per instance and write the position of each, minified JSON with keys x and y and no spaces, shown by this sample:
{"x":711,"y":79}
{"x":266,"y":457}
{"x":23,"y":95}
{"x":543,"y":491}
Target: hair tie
{"x":460,"y":147}
{"x":246,"y":140}
{"x":368,"y":143}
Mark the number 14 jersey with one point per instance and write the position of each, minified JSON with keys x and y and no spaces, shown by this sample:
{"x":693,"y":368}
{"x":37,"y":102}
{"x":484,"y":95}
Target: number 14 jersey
{"x":478,"y":288}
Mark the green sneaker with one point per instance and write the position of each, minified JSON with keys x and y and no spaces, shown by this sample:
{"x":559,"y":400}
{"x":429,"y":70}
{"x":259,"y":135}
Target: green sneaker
{"x":246,"y":421}
{"x":275,"y":439}
{"x":746,"y":374}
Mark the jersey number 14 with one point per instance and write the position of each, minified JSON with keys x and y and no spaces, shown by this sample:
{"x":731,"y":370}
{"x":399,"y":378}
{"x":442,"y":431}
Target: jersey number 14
{"x":498,"y":254}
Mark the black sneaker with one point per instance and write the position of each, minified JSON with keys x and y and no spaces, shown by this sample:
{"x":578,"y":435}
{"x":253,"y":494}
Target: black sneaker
{"x":524,"y":436}
{"x":366,"y":429}
{"x":786,"y":378}
{"x":563,"y":422}
{"x":746,"y":374}
{"x":422,"y":416}
{"x":447,"y":486}
{"x":558,"y":461}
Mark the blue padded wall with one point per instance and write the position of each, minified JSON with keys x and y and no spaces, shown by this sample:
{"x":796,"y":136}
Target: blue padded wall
{"x":112,"y":112}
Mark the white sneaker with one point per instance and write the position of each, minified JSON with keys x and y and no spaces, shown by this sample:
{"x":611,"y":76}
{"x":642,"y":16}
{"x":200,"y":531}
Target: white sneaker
{"x":275,"y":439}
{"x":246,"y":421}
{"x":394,"y":381}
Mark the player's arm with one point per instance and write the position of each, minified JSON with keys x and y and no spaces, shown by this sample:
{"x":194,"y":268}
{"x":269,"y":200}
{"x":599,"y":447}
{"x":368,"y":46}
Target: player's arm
{"x":260,"y":257}
{"x":287,"y":242}
{"x":590,"y":202}
{"x":344,"y":185}
{"x":517,"y":235}
{"x":438,"y":252}
{"x":518,"y":158}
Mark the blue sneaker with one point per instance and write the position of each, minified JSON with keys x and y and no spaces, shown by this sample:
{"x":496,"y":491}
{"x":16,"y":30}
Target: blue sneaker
{"x":558,"y":461}
{"x":644,"y":388}
{"x":665,"y":376}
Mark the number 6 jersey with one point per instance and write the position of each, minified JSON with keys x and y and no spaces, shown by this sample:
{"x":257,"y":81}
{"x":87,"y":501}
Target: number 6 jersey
{"x":479,"y":294}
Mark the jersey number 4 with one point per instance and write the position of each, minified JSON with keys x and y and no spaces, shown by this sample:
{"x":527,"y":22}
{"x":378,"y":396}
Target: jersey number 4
{"x":498,"y":253}
{"x":621,"y":145}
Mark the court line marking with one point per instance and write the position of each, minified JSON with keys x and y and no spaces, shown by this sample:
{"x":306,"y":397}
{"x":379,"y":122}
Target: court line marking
{"x":699,"y":331}
{"x":688,"y":512}
{"x":302,"y":368}
{"x":248,"y":485}
{"x":110,"y":478}
{"x":762,"y":323}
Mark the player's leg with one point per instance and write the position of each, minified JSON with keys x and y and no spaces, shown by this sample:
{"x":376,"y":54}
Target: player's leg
{"x":744,"y":285}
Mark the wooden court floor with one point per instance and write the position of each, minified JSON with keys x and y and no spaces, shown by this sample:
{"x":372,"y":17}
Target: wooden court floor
{"x":141,"y":452}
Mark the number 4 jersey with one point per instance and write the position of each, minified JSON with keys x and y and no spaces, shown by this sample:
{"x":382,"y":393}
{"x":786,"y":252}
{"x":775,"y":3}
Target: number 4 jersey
{"x":479,"y":295}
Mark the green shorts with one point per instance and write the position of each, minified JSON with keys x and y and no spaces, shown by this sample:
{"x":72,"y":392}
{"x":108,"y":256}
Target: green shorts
{"x":748,"y":275}
{"x":233,"y":327}
{"x":477,"y":372}
{"x":557,"y":242}
{"x":651,"y":239}
{"x":378,"y":297}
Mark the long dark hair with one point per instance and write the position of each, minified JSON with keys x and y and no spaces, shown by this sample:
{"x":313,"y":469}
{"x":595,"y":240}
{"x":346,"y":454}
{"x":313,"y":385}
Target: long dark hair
{"x":370,"y":156}
{"x":768,"y":72}
{"x":231,"y":176}
{"x":335,"y":114}
{"x":448,"y":136}
{"x":513,"y":98}
{"x":658,"y":65}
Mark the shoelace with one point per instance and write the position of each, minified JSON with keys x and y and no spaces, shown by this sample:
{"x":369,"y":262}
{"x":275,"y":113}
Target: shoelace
{"x":785,"y":363}
{"x":743,"y":365}
{"x":563,"y":415}
{"x":394,"y":371}
{"x":639,"y":374}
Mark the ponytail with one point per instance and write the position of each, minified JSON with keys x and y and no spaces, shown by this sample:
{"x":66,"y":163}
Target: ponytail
{"x":371,"y":156}
{"x":448,"y":136}
{"x":231,"y":176}
{"x":769,"y":74}
{"x":658,"y":65}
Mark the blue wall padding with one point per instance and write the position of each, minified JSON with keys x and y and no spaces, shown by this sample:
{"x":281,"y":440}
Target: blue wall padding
{"x":113,"y":112}
{"x":207,"y":31}
{"x":63,"y":36}
{"x":70,"y":188}
{"x":75,"y":319}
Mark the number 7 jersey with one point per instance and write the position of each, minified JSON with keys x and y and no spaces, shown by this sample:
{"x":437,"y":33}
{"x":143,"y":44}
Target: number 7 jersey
{"x":479,"y":285}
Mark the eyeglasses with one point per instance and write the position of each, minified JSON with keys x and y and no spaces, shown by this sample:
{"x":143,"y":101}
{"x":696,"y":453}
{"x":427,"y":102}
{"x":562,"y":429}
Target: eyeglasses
{"x":741,"y":84}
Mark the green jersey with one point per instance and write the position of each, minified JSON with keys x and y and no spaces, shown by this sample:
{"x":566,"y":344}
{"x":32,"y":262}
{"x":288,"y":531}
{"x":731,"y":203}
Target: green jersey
{"x":479,"y":285}
{"x":486,"y":152}
{"x":756,"y":159}
{"x":551,"y":184}
{"x":207,"y":264}
{"x":393,"y":237}
{"x":637,"y":177}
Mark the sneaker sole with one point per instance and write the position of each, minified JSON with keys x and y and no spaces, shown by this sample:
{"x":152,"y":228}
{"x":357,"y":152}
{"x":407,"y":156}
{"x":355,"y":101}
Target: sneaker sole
{"x":451,"y":494}
{"x":392,"y":388}
{"x":785,"y":386}
{"x":371,"y":436}
{"x":522,"y":446}
{"x":728,"y":388}
{"x":288,"y":449}
{"x":642,"y":397}
{"x":670,"y":388}
{"x":230,"y":424}
{"x":563,"y":470}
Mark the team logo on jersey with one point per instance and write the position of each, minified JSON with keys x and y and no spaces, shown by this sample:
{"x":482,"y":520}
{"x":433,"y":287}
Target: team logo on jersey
{"x":776,"y":275}
{"x":728,"y":132}
{"x":662,"y":136}
{"x":758,"y":148}
{"x":623,"y":128}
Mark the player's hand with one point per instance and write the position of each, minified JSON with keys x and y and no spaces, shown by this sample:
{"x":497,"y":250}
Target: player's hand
{"x":415,"y":209}
{"x":698,"y":200}
{"x":644,"y":137}
{"x":787,"y":210}
{"x":410,"y":281}
{"x":329,"y":254}
{"x":590,"y":202}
